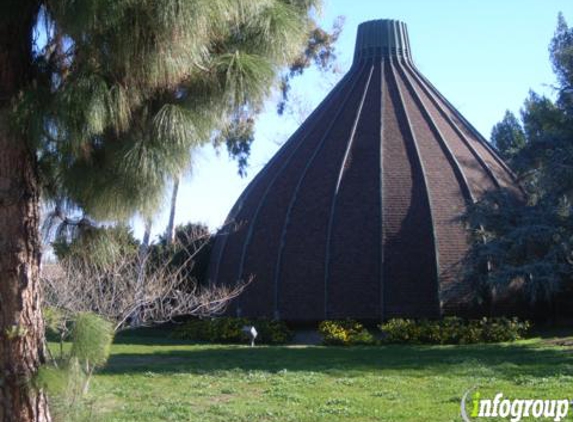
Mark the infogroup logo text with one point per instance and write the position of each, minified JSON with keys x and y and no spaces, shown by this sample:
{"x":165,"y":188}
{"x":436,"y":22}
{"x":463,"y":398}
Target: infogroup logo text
{"x":514,"y":410}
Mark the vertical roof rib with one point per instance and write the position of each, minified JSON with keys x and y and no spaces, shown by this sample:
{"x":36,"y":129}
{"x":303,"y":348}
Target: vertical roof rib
{"x":357,"y":217}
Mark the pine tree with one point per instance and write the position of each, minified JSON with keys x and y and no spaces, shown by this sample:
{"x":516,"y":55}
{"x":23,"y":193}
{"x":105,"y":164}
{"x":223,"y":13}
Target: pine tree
{"x":100,"y":102}
{"x":508,"y":136}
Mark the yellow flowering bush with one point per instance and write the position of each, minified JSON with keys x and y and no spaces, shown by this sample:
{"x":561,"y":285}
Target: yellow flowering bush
{"x":453,"y":330}
{"x":344,"y":333}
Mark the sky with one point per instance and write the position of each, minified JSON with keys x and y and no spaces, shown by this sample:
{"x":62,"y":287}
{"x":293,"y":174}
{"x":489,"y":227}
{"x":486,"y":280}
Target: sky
{"x":483,"y":55}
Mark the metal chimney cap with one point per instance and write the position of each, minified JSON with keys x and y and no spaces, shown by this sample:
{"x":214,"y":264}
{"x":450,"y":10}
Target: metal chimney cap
{"x":382,"y":38}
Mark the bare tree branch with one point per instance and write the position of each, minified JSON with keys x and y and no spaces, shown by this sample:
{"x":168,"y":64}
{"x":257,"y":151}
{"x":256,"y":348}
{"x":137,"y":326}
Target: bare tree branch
{"x":131,"y":297}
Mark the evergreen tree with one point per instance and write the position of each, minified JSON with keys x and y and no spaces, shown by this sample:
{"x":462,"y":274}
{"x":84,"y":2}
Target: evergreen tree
{"x":508,"y":136}
{"x":100,"y":102}
{"x":187,"y":252}
{"x":531,"y":243}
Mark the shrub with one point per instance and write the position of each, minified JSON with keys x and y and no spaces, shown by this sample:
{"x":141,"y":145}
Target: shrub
{"x":453,"y":330}
{"x":400,"y":330}
{"x":230,"y":330}
{"x":344,"y":333}
{"x":272,"y":331}
{"x":194,"y":329}
{"x":227,"y":330}
{"x":504,"y":329}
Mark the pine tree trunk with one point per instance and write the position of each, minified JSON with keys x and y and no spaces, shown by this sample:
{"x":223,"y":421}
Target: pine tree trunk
{"x":21,"y":325}
{"x":170,"y":232}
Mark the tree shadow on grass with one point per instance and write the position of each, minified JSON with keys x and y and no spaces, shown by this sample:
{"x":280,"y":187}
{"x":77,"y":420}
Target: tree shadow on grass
{"x":499,"y":360}
{"x":145,"y":336}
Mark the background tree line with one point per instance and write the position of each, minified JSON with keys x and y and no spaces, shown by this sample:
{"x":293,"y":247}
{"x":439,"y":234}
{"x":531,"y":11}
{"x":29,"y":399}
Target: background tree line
{"x":529,"y":244}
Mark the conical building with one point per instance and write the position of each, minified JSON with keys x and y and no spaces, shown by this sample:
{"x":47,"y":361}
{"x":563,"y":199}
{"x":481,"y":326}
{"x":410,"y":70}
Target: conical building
{"x":357,"y":215}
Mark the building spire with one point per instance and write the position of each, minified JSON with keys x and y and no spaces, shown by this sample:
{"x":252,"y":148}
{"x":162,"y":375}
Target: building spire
{"x":382,"y":38}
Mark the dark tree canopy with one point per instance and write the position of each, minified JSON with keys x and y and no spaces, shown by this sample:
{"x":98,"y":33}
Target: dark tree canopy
{"x":532,"y":244}
{"x":507,"y":136}
{"x":561,"y":49}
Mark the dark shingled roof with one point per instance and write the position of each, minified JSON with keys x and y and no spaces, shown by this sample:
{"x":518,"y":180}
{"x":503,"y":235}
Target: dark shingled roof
{"x":356,"y":216}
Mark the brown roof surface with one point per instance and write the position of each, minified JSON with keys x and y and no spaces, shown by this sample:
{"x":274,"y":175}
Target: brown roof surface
{"x":357,"y":214}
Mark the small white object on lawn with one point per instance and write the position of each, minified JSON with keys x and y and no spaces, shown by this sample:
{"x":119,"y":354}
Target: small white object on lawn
{"x":251,"y":331}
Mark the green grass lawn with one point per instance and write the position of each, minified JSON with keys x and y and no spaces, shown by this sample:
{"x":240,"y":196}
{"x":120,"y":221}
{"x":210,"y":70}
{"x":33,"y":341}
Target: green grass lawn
{"x":149,"y":379}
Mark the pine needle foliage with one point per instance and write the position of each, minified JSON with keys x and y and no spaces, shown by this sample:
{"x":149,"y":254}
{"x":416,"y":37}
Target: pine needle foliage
{"x":96,"y":247}
{"x":68,"y":380}
{"x":91,"y":340}
{"x":125,"y":89}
